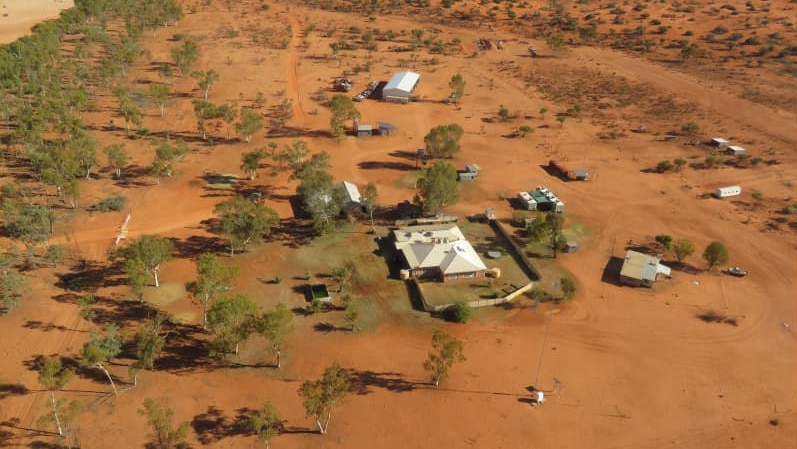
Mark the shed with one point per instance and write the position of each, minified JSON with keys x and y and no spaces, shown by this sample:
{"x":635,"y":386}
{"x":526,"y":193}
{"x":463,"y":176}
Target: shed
{"x":641,"y":270}
{"x":736,"y":150}
{"x":570,"y":247}
{"x":385,"y":128}
{"x":720,"y":143}
{"x":471,"y":172}
{"x":581,"y":175}
{"x":724,"y":192}
{"x":527,"y":201}
{"x":364,"y":130}
{"x":400,"y":87}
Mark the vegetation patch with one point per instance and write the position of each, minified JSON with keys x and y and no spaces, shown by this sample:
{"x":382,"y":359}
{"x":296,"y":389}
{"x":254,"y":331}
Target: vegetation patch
{"x":112,"y":204}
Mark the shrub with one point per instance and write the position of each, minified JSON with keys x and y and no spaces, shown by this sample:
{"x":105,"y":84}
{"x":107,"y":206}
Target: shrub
{"x":568,"y":287}
{"x":664,"y":166}
{"x":460,"y":312}
{"x":690,"y":128}
{"x":112,"y":204}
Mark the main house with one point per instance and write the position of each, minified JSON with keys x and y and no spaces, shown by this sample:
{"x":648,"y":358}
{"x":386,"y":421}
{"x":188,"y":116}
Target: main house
{"x":641,"y":270}
{"x":438,"y":252}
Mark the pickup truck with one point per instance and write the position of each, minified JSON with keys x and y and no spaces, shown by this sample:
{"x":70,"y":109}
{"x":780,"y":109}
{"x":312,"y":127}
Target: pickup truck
{"x":737,"y":271}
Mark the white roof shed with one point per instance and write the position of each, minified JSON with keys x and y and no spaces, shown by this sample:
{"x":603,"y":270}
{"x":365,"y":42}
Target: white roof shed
{"x":401,"y":85}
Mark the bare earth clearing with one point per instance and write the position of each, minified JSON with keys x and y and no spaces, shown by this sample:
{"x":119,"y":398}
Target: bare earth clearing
{"x":638,"y":369}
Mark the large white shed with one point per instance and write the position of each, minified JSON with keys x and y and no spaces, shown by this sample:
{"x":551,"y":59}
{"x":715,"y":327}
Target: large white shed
{"x":400,"y":87}
{"x":724,"y":192}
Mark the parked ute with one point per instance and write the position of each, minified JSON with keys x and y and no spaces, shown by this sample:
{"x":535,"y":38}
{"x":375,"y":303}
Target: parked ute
{"x":737,"y":271}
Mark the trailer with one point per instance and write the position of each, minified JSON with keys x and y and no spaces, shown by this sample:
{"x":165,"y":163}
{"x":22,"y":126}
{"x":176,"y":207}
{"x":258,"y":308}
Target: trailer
{"x":577,"y":174}
{"x":470,"y":173}
{"x":724,"y":192}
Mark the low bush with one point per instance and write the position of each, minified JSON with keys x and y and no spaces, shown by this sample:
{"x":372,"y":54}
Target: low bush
{"x":112,"y":204}
{"x":460,"y":312}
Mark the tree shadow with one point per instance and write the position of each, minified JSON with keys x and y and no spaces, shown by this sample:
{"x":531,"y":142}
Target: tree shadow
{"x":327,"y":327}
{"x":46,"y":327}
{"x":196,"y":245}
{"x":362,"y":382}
{"x":185,"y":350}
{"x":133,"y":176}
{"x":91,"y":275}
{"x":7,"y":390}
{"x":390,"y":165}
{"x":213,"y":426}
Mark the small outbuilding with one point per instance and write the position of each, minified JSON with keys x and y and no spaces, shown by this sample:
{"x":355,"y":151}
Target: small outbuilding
{"x":400,"y":87}
{"x":736,"y":150}
{"x":724,"y":192}
{"x":641,"y":270}
{"x":350,"y":194}
{"x":527,"y":201}
{"x":720,"y":143}
{"x":364,"y":130}
{"x":470,"y":173}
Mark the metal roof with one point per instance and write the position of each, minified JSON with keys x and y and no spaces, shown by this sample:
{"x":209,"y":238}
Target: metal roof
{"x":640,"y":266}
{"x":403,"y":81}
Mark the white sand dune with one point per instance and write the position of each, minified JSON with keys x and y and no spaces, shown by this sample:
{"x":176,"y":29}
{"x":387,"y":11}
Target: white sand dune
{"x":17,"y":17}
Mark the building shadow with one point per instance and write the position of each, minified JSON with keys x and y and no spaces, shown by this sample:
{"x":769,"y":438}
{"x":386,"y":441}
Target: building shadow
{"x":611,"y":272}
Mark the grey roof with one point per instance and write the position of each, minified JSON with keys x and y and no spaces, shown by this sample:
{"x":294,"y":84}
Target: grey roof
{"x":640,"y":266}
{"x":386,"y":125}
{"x":352,"y":193}
{"x":442,"y":246}
{"x":403,"y":81}
{"x":581,"y":173}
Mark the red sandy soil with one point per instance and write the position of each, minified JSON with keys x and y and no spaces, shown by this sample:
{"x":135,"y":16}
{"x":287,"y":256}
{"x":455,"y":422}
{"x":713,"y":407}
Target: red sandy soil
{"x":22,"y":15}
{"x":638,"y":369}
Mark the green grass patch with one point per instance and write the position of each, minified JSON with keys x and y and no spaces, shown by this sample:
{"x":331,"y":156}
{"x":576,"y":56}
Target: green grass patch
{"x":410,"y":180}
{"x":166,"y":294}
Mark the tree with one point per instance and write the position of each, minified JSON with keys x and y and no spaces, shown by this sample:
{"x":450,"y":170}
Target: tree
{"x":555,"y":223}
{"x":244,"y":222}
{"x":185,"y":55}
{"x":29,"y":223}
{"x":460,"y":312}
{"x":250,"y":162}
{"x":85,"y":303}
{"x":342,"y":275}
{"x":438,"y":188}
{"x":152,"y":251}
{"x":275,"y":326}
{"x":537,"y":230}
{"x":230,"y":320}
{"x":117,"y":157}
{"x":568,"y":287}
{"x":343,"y":109}
{"x":457,"y":84}
{"x":213,"y":279}
{"x":319,"y":197}
{"x":102,"y":348}
{"x":664,"y":240}
{"x":715,"y":254}
{"x":503,"y":113}
{"x":228,"y":114}
{"x":690,"y":128}
{"x":682,"y":249}
{"x":320,"y":397}
{"x":352,"y":314}
{"x":129,"y":110}
{"x":679,"y":163}
{"x":12,"y":284}
{"x":561,"y":119}
{"x":160,"y":419}
{"x":137,"y":277}
{"x":664,"y":166}
{"x":265,"y":423}
{"x":543,"y":111}
{"x":165,"y":156}
{"x":446,"y":351}
{"x":369,"y":201}
{"x":149,"y":341}
{"x":206,"y":79}
{"x":443,"y":141}
{"x":159,"y":93}
{"x":85,"y":150}
{"x":53,"y":376}
{"x":251,"y":122}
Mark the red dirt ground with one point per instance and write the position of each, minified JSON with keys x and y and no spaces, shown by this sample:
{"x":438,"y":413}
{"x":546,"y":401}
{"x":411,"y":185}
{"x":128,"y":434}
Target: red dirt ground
{"x":638,"y":369}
